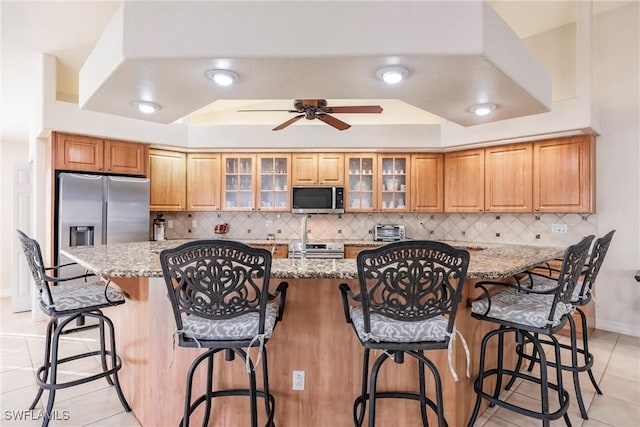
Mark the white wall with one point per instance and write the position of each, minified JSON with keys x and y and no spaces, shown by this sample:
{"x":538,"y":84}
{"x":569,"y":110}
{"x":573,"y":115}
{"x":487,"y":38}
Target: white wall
{"x":617,"y":90}
{"x":11,"y":155}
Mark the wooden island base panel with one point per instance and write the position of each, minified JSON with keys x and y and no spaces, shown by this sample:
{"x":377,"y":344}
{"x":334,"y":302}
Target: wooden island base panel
{"x":313,"y":337}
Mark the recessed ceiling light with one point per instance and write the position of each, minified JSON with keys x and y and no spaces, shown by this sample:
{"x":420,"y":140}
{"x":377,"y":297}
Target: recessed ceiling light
{"x":146,"y":107}
{"x":222,"y":77}
{"x":392,"y":75}
{"x":482,"y":109}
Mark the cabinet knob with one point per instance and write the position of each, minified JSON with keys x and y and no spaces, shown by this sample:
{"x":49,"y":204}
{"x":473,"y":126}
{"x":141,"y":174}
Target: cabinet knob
{"x":537,"y":209}
{"x":481,"y":210}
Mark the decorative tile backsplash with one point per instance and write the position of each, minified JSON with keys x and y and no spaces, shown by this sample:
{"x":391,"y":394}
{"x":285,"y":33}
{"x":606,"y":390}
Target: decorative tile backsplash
{"x":507,"y":228}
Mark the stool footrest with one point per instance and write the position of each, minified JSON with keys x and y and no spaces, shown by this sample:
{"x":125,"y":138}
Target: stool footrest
{"x":564,"y":404}
{"x":43,"y":371}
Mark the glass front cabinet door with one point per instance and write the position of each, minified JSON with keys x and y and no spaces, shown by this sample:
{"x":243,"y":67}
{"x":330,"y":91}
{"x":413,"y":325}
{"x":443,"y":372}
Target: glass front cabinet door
{"x":239,"y":179}
{"x":360,"y":169}
{"x":274,"y":182}
{"x":393,"y":182}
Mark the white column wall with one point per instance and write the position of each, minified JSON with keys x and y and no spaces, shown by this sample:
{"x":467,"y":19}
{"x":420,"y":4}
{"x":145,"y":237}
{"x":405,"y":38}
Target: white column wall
{"x":617,"y":90}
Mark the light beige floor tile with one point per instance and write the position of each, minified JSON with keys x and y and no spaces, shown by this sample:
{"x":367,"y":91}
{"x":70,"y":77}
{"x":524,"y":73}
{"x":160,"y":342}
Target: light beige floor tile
{"x":12,"y":361}
{"x":89,"y":408}
{"x":594,"y":423}
{"x":496,"y":421}
{"x":621,"y":388}
{"x":615,"y":412}
{"x":16,"y":378}
{"x":19,"y":398}
{"x":125,"y":419}
{"x":629,"y":341}
{"x":624,"y":364}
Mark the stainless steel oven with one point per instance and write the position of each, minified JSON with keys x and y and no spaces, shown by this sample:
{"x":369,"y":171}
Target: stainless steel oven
{"x":317,"y":250}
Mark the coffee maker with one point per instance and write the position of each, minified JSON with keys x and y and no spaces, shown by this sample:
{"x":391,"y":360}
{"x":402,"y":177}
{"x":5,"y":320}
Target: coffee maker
{"x":158,"y":227}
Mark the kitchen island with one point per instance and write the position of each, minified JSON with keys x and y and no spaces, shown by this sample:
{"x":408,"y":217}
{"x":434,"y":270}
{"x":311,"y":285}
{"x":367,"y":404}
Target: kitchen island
{"x":313,"y":337}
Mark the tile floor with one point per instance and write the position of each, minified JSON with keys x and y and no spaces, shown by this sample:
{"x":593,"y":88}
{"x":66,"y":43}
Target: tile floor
{"x":617,"y":369}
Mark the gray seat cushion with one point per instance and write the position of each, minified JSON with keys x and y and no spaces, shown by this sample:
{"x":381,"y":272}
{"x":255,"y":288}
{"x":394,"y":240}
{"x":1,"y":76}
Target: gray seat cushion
{"x":74,"y":296}
{"x":545,"y":283}
{"x":522,"y":308}
{"x":386,"y":329}
{"x":243,"y":327}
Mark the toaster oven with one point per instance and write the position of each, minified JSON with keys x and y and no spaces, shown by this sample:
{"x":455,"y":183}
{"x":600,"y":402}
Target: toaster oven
{"x":389,"y":232}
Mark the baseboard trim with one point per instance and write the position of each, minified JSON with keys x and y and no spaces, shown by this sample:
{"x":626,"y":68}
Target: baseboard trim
{"x":618,"y":327}
{"x":5,"y":293}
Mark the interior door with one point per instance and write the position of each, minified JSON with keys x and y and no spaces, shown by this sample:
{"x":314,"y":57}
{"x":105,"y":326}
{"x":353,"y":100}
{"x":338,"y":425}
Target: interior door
{"x":21,"y":281}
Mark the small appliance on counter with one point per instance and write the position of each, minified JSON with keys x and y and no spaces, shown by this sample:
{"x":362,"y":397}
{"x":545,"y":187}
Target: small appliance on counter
{"x":389,"y":232}
{"x":158,"y":227}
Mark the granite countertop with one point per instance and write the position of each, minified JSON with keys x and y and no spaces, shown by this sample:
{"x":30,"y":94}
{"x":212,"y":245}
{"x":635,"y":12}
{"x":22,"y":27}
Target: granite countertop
{"x":140,"y":259}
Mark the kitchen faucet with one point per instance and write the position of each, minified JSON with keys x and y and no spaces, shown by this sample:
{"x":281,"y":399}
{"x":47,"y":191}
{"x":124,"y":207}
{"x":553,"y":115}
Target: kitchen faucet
{"x":304,"y":238}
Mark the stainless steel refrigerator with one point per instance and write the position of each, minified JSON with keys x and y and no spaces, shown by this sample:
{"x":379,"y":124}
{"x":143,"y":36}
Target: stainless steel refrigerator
{"x":99,"y":209}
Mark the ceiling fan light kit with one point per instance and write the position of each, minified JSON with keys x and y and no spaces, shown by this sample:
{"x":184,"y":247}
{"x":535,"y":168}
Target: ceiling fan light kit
{"x":222,"y":77}
{"x":146,"y":107}
{"x":482,"y":109}
{"x":393,"y":74}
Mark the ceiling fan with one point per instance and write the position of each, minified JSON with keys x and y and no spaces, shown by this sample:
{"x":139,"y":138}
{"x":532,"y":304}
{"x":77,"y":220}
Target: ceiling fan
{"x":317,"y":109}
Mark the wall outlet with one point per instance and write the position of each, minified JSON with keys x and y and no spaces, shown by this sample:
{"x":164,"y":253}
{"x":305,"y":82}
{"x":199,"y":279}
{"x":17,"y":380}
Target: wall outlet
{"x":169,"y":223}
{"x":194,"y":223}
{"x":559,"y":228}
{"x":298,"y":380}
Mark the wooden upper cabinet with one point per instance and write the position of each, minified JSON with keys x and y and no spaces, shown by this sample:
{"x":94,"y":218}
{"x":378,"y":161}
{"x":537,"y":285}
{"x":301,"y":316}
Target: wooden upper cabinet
{"x":564,"y":175}
{"x":464,"y":181}
{"x":125,"y":157}
{"x":167,"y":174}
{"x":427,"y":182}
{"x":79,"y":153}
{"x":509,"y":178}
{"x":203,"y":181}
{"x":331,"y":169}
{"x":89,"y":154}
{"x":317,"y":169}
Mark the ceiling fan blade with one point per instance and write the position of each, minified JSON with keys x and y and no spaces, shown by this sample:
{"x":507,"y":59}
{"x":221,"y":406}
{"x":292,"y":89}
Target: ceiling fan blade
{"x":288,"y":122}
{"x":355,"y":109}
{"x":332,"y":121}
{"x":250,"y":111}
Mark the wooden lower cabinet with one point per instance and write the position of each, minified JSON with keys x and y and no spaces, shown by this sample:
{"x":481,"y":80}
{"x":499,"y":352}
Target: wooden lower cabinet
{"x":278,"y":250}
{"x":167,"y":174}
{"x":352,"y":251}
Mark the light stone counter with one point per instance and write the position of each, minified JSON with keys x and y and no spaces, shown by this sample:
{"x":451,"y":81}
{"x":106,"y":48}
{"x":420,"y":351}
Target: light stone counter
{"x":140,"y":259}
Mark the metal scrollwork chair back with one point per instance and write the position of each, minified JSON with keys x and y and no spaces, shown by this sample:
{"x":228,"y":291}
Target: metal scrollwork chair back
{"x":411,"y":281}
{"x":217,"y":280}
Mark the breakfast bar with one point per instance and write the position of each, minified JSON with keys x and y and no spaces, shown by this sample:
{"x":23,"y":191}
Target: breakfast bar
{"x":313,"y":337}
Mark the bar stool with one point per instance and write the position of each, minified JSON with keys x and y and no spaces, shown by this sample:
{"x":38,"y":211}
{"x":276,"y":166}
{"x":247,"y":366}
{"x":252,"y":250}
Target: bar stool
{"x":527,"y":313}
{"x":409,"y":295}
{"x":65,"y":303}
{"x":545,"y":277}
{"x":219,"y":292}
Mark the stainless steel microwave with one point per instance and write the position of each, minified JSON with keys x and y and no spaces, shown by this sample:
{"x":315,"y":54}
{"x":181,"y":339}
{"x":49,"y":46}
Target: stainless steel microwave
{"x":317,"y":199}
